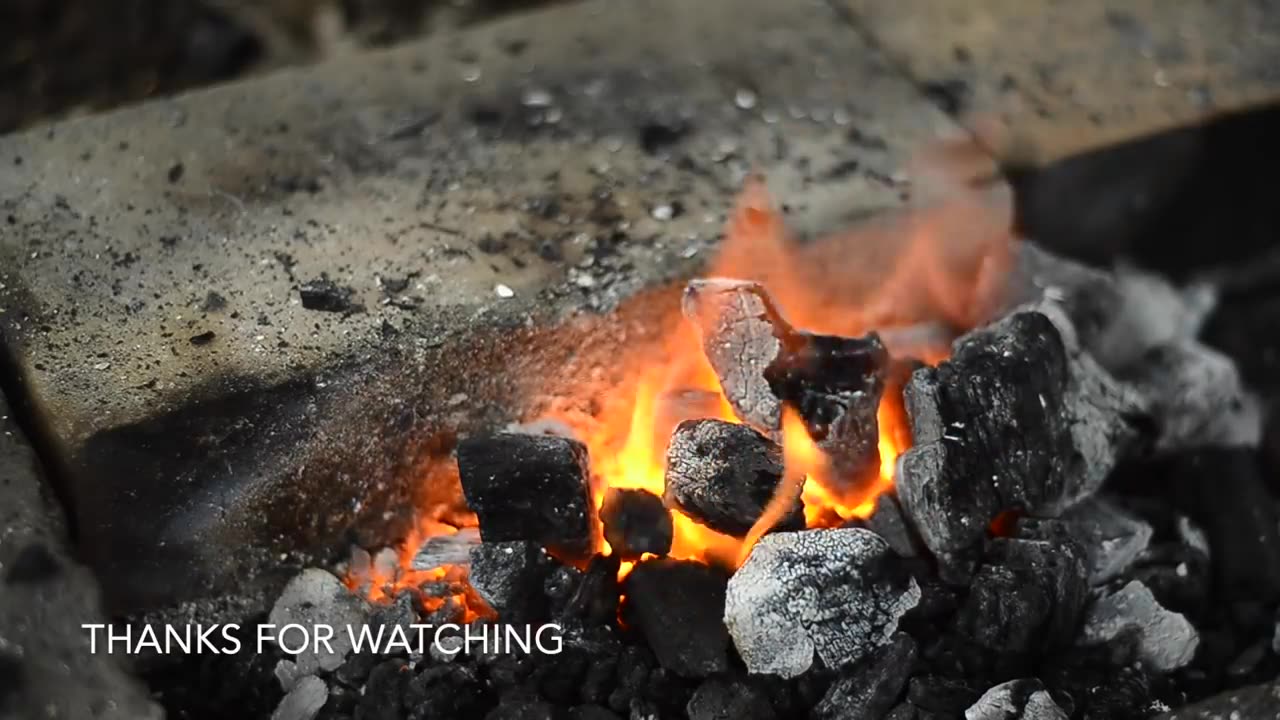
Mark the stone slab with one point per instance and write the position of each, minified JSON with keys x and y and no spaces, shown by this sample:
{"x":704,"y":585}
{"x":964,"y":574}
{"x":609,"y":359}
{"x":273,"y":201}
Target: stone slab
{"x":1044,"y":79}
{"x":490,"y":199}
{"x":45,"y":596}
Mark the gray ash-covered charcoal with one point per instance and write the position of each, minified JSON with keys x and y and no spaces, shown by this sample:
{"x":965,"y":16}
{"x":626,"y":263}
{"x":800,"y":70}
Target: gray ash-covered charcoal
{"x":869,"y":689}
{"x":304,"y":701}
{"x":678,"y":606}
{"x":742,"y":333}
{"x":440,"y":550}
{"x":1016,"y":700}
{"x":1016,"y":419}
{"x":723,"y":474}
{"x":1165,"y":640}
{"x":1196,"y":397}
{"x":1112,"y":538}
{"x":721,"y":698}
{"x":317,"y":597}
{"x":834,"y":383}
{"x":529,"y":487}
{"x":1027,"y":595}
{"x":635,"y":522}
{"x":509,"y":577}
{"x":837,"y":594}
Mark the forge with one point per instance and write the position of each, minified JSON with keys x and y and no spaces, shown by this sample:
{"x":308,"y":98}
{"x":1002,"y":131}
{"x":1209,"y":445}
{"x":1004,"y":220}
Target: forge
{"x":739,"y":367}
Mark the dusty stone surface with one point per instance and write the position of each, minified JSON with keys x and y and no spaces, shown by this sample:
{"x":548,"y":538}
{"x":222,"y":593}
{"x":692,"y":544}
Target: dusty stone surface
{"x":479,"y":196}
{"x":836,"y":594}
{"x":1071,"y":76}
{"x":45,"y":596}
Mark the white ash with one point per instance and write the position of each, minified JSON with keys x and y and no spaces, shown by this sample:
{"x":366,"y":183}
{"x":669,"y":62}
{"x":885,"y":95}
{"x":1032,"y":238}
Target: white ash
{"x":1166,"y":640}
{"x":304,"y":701}
{"x":1197,"y":397}
{"x":1016,"y":700}
{"x":452,"y":549}
{"x":316,"y":597}
{"x":1111,"y":537}
{"x":838,"y":593}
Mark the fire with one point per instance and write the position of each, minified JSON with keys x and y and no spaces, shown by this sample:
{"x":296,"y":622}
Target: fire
{"x":926,"y":289}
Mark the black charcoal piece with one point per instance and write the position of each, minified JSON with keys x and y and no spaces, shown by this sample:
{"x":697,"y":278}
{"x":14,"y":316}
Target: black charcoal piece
{"x":594,"y":598}
{"x":940,"y":695}
{"x":326,"y":296}
{"x":440,"y":550}
{"x":888,"y":521}
{"x":869,"y":689}
{"x":445,"y":691}
{"x":835,"y":593}
{"x":834,"y":383}
{"x":509,"y":577}
{"x":1016,"y":700}
{"x":304,"y":701}
{"x":316,"y":597}
{"x":1112,"y":538}
{"x":1027,"y":595}
{"x":1166,"y":641}
{"x":635,"y":522}
{"x":728,"y":699}
{"x":1016,"y":419}
{"x":521,"y":705}
{"x":1223,"y":490}
{"x":678,"y":606}
{"x":529,"y":487}
{"x":723,"y":474}
{"x":384,"y":694}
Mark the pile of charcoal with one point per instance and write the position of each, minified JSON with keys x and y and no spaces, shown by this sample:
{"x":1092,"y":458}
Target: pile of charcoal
{"x":1079,"y":529}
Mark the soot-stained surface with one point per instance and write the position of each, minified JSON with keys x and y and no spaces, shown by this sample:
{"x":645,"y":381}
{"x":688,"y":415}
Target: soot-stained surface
{"x":460,"y":211}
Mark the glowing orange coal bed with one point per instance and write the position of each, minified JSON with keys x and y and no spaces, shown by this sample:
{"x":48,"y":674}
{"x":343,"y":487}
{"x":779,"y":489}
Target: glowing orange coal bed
{"x":628,"y":438}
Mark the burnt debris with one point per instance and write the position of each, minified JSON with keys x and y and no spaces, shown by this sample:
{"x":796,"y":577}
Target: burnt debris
{"x":723,"y":474}
{"x":327,"y":296}
{"x":677,"y":606}
{"x":869,"y":689}
{"x":529,"y":487}
{"x":635,"y":522}
{"x":509,"y":577}
{"x":834,"y":383}
{"x":833,"y":594}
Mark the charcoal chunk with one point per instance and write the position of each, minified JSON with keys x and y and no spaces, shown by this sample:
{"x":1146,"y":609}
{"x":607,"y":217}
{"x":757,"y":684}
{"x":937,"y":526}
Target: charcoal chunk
{"x":529,"y":487}
{"x":940,"y":695}
{"x":326,"y":296}
{"x":1027,"y":594}
{"x":728,"y":699}
{"x":869,"y":689}
{"x":304,"y":701}
{"x":1196,"y":397}
{"x":723,"y":474}
{"x":509,"y":577}
{"x":316,"y":597}
{"x":835,"y":383}
{"x":636,"y":522}
{"x":888,"y":521}
{"x":837,"y":593}
{"x":1016,"y":700}
{"x":1166,"y":641}
{"x":1255,"y":702}
{"x":440,"y":550}
{"x":1017,"y":419}
{"x":1112,"y":538}
{"x":594,"y":597}
{"x":453,"y":690}
{"x":677,"y":606}
{"x":742,"y":333}
{"x":384,"y":694}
